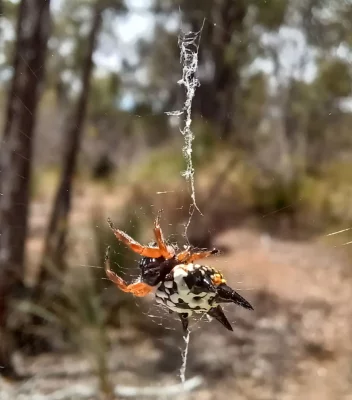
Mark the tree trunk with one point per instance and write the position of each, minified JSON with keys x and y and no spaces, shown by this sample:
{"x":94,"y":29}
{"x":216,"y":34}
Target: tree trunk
{"x":16,"y":155}
{"x":217,"y":99}
{"x":55,"y":244}
{"x":228,"y":52}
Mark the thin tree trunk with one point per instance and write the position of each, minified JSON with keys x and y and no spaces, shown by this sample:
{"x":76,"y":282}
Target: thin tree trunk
{"x":55,"y":244}
{"x":1,"y":16}
{"x":16,"y":156}
{"x":217,"y":99}
{"x":229,"y":42}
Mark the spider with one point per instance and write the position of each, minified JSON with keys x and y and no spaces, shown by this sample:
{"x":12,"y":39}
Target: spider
{"x":178,"y":283}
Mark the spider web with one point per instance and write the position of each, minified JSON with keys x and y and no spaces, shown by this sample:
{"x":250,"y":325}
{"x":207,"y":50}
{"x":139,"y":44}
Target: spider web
{"x":189,"y":43}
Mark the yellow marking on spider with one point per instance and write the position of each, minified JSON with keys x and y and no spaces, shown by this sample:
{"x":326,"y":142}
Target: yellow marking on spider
{"x":217,"y":279}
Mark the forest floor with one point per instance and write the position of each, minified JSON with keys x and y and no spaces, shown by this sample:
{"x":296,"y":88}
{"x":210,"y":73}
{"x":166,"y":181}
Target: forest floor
{"x":295,"y":344}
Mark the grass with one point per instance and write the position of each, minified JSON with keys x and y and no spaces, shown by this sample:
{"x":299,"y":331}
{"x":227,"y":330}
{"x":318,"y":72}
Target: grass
{"x":83,"y":305}
{"x":77,"y":312}
{"x":83,"y":315}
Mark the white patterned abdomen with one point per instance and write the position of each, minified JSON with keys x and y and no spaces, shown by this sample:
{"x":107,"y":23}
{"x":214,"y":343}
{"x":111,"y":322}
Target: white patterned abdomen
{"x":178,"y":297}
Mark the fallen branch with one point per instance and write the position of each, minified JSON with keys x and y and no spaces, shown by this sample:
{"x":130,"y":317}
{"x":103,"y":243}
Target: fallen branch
{"x":81,"y":392}
{"x":156,"y":391}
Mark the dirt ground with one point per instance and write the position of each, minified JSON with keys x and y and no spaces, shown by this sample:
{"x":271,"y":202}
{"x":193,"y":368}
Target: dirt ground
{"x":295,"y":344}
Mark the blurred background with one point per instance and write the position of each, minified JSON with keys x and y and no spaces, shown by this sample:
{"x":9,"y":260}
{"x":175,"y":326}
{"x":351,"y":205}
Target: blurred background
{"x":85,"y":87}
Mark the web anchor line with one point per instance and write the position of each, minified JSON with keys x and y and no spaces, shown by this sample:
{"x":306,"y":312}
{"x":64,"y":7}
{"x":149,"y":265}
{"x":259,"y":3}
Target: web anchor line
{"x":188,"y":43}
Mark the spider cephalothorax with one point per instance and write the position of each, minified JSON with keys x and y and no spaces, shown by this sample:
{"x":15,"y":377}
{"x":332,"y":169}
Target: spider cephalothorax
{"x":179,"y":284}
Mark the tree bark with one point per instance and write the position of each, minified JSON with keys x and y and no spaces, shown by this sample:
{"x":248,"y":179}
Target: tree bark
{"x":216,"y":101}
{"x":16,"y":155}
{"x":228,"y":40}
{"x":55,"y":244}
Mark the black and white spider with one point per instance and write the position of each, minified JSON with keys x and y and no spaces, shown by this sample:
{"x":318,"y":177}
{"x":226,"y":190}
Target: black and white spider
{"x":180,"y":284}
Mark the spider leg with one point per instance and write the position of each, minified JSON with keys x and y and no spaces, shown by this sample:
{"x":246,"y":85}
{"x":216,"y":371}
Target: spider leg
{"x":138,"y":289}
{"x":202,"y":254}
{"x":184,"y":255}
{"x":166,"y":252}
{"x":188,"y":256}
{"x":152,"y":252}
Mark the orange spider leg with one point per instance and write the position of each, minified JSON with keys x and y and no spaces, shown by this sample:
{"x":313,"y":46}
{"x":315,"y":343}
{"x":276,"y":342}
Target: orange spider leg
{"x":202,"y":254}
{"x":165,"y":251}
{"x":187,"y":256}
{"x":139,"y":289}
{"x":184,"y":255}
{"x":144,"y":251}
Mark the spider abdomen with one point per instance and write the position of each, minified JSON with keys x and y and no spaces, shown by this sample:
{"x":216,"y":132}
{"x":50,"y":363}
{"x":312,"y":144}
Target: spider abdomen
{"x":187,"y":289}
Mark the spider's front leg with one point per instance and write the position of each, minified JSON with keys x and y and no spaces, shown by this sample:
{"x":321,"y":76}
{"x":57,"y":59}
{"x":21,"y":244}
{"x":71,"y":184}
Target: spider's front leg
{"x":144,"y":251}
{"x":202,"y":254}
{"x":166,"y":251}
{"x":138,"y":289}
{"x":188,"y":256}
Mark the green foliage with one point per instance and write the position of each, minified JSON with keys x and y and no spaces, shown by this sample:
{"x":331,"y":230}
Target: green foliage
{"x":84,"y":308}
{"x":335,"y":78}
{"x":254,"y":97}
{"x":78,"y":312}
{"x":104,"y":95}
{"x":150,"y":127}
{"x":161,"y":165}
{"x":328,"y":196}
{"x":82,"y":314}
{"x":271,"y":13}
{"x":203,"y":144}
{"x":276,"y":195}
